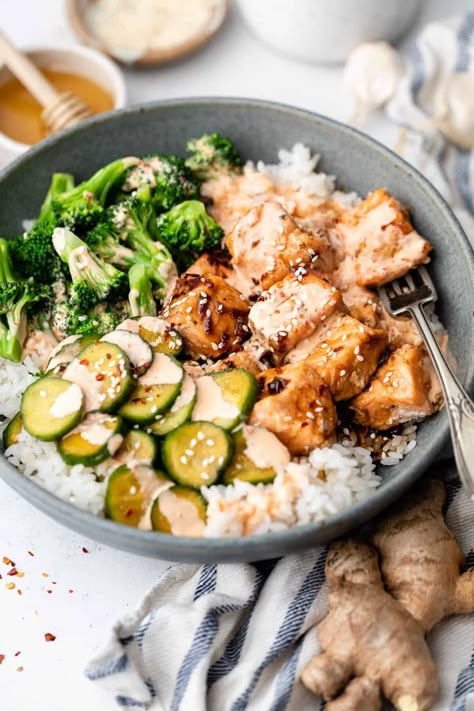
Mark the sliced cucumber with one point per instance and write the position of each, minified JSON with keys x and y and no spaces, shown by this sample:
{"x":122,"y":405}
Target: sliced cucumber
{"x":242,"y":467}
{"x":65,"y":351}
{"x":12,"y":430}
{"x":138,"y":448}
{"x":180,"y":511}
{"x":103,"y":372}
{"x":180,"y":411}
{"x":225,"y":398}
{"x":196,"y":453}
{"x":95,"y":439}
{"x":156,"y":390}
{"x":50,"y":407}
{"x":134,"y":346}
{"x":162,"y":337}
{"x":131,"y":492}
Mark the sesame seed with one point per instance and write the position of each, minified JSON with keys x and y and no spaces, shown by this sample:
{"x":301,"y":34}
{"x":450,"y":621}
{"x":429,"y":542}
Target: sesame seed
{"x":210,"y":442}
{"x":342,"y":372}
{"x":200,"y":436}
{"x":183,"y":460}
{"x":360,"y":358}
{"x":357,"y":349}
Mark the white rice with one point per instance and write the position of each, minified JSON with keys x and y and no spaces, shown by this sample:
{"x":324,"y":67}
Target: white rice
{"x":329,"y":481}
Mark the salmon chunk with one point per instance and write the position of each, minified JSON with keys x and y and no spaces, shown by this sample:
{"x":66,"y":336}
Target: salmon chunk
{"x":379,"y":241}
{"x":348,"y":356}
{"x":266,"y":243}
{"x":297,"y":406}
{"x":399,"y":392}
{"x":291,"y":310}
{"x":210,"y":315}
{"x":216,"y":263}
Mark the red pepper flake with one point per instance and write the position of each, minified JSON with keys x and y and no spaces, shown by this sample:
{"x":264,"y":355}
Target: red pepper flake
{"x":12,"y":571}
{"x":84,"y":361}
{"x":19,"y":592}
{"x":17,"y":654}
{"x":2,"y":657}
{"x":100,"y":376}
{"x":31,"y":554}
{"x":84,"y":550}
{"x":70,"y":591}
{"x":53,"y":582}
{"x":49,"y":591}
{"x":49,"y":637}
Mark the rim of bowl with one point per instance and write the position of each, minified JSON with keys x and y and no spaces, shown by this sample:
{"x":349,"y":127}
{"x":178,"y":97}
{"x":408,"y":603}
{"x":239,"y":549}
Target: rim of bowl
{"x":119,"y":88}
{"x":210,"y":549}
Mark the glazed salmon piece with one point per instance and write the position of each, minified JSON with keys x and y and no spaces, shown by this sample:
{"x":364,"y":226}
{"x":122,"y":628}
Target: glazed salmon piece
{"x":239,"y":359}
{"x":291,"y":310}
{"x":297,"y":406}
{"x":399,"y":392}
{"x":348,"y":356}
{"x":266,"y":244}
{"x":210,"y":315}
{"x":216,"y":263}
{"x":379,"y":241}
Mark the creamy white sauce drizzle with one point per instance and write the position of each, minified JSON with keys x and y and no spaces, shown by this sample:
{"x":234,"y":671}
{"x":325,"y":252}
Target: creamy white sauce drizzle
{"x":137,"y":350}
{"x":210,"y":404}
{"x":163,"y":371}
{"x":188,"y":391}
{"x":67,"y":402}
{"x":182,"y":515}
{"x":265,"y":449}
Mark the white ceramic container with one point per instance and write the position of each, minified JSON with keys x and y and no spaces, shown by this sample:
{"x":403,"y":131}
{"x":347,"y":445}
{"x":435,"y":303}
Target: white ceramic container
{"x":326,"y":30}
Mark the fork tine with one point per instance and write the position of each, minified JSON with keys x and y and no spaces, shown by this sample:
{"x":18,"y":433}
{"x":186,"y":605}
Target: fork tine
{"x":410,"y":281}
{"x":395,"y":285}
{"x":427,"y":281}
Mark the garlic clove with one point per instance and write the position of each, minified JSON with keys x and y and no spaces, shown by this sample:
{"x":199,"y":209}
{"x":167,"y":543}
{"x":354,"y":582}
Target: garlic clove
{"x":372,"y":74}
{"x":453,"y":109}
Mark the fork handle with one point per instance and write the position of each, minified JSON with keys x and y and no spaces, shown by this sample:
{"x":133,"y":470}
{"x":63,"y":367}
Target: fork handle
{"x":459,"y":406}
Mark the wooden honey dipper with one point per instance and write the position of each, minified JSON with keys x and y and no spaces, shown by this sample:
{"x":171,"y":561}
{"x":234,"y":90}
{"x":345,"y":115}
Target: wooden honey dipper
{"x":60,"y":109}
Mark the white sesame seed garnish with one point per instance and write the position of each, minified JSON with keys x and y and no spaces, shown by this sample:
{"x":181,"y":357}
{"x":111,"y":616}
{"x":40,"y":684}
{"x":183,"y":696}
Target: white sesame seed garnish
{"x":183,"y":460}
{"x":200,"y":436}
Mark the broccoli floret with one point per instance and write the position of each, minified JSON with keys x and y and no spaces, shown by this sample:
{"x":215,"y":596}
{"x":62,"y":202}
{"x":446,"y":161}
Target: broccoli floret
{"x":102,"y":318}
{"x":33,"y":254}
{"x":188,"y":230}
{"x":213,"y":155}
{"x":83,"y":206}
{"x":93,"y":280}
{"x":133,"y":218}
{"x":140,"y":297}
{"x":104,"y":241}
{"x":15,"y":298}
{"x":168,"y":178}
{"x":60,"y":183}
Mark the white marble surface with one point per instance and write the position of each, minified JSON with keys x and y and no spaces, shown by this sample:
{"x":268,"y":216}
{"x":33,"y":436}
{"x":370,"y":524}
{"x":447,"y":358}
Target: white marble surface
{"x":107,"y":583}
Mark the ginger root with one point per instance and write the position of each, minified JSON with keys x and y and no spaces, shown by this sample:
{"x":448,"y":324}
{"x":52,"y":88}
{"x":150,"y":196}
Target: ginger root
{"x":421,"y":559}
{"x":371,"y":644}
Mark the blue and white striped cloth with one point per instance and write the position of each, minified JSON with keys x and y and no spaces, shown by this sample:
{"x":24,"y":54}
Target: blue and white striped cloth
{"x":235,"y":637}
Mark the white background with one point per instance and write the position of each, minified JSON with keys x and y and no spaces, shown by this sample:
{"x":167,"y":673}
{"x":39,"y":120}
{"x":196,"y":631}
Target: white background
{"x":107,"y":583}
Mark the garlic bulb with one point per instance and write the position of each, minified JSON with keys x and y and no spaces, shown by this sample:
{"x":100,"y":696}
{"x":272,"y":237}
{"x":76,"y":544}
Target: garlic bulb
{"x":453,"y":109}
{"x":371,"y":74}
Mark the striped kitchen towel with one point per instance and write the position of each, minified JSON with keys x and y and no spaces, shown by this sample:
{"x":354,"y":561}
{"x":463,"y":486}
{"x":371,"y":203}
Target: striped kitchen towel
{"x":235,"y":637}
{"x":442,"y":50}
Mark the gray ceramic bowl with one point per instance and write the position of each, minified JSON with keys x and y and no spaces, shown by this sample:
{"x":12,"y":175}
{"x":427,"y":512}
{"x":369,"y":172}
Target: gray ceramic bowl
{"x":258,"y":129}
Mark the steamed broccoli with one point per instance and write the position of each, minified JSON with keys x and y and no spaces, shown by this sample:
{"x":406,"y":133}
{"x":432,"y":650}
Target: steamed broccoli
{"x":15,"y":298}
{"x":93,"y":280}
{"x":82,"y":207}
{"x":60,"y":183}
{"x":213,"y":155}
{"x":140,"y":297}
{"x":168,"y":179}
{"x":102,"y":318}
{"x":188,"y":230}
{"x":104,"y":241}
{"x":33,"y":253}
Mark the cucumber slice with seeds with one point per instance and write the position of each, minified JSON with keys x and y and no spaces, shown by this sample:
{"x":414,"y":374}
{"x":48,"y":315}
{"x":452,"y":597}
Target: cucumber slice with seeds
{"x":138,"y":448}
{"x":156,"y":391}
{"x":180,"y":511}
{"x":65,"y":351}
{"x":135,"y":348}
{"x":50,"y":407}
{"x":225,"y":398}
{"x":180,"y":410}
{"x":131,"y":492}
{"x":95,"y":439}
{"x":12,"y":430}
{"x":103,"y":372}
{"x":196,"y":453}
{"x":162,"y":337}
{"x":244,"y":468}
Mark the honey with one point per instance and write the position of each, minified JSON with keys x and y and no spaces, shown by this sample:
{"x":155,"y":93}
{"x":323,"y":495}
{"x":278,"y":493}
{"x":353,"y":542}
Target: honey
{"x":20,"y":113}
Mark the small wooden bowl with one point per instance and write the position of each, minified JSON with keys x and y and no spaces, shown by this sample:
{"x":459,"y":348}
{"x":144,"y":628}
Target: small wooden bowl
{"x":76,"y":11}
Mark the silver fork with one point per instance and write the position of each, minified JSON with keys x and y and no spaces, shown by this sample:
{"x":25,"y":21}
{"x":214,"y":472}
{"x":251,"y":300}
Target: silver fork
{"x":410,"y":294}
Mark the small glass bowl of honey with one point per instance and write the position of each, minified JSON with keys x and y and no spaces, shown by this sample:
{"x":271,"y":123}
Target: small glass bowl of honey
{"x":85,"y":72}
